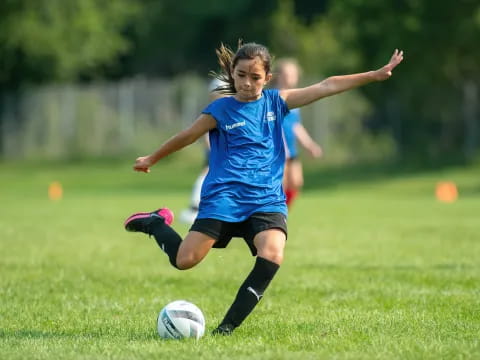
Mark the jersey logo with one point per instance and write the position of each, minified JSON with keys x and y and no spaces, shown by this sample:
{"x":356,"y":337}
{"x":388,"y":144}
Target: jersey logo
{"x":271,"y":116}
{"x":233,"y":126}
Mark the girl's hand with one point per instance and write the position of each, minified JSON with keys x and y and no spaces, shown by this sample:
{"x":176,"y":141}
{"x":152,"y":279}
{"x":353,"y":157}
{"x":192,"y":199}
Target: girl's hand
{"x":315,"y":151}
{"x":143,"y":164}
{"x":385,"y":72}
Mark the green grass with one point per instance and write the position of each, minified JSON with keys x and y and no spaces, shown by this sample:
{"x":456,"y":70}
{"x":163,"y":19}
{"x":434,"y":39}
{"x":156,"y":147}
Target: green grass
{"x":375,"y":268}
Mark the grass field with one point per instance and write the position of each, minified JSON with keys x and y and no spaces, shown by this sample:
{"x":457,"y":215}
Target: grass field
{"x":375,"y":268}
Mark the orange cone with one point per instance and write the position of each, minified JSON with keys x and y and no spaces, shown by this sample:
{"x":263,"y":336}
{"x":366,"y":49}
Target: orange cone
{"x":446,"y":191}
{"x":55,"y":191}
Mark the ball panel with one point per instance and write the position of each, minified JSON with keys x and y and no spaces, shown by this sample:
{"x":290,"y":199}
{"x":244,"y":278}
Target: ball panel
{"x":196,"y":330}
{"x":181,"y":319}
{"x":182,"y":326}
{"x":166,"y":327}
{"x":188,"y":314}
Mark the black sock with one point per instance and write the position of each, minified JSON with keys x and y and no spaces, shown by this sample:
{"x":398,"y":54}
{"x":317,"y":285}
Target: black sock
{"x":167,"y":238}
{"x":251,"y":291}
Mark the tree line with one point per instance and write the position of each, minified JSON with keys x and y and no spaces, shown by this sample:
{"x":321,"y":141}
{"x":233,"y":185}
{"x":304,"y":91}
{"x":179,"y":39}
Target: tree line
{"x":430,"y":105}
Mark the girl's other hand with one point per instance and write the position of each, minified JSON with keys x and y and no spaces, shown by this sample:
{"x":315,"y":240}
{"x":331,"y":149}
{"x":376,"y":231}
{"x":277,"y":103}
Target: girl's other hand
{"x":143,"y":164}
{"x":315,"y":151}
{"x":385,"y":72}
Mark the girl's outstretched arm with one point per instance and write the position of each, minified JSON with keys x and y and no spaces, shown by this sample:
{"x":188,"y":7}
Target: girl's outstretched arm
{"x":306,"y":141}
{"x":337,"y":84}
{"x":203,"y":124}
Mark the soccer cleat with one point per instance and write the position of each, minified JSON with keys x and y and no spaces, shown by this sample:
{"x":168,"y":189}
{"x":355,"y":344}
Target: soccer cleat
{"x":224,"y":330}
{"x":141,"y":221}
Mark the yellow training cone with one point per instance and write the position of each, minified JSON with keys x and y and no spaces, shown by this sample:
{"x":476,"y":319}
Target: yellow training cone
{"x":446,"y":191}
{"x":55,"y":191}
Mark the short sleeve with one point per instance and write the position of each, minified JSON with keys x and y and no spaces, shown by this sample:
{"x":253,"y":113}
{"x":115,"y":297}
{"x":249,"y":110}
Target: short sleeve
{"x":297,"y":116}
{"x":280,"y":105}
{"x":209,"y":109}
{"x":215,"y":109}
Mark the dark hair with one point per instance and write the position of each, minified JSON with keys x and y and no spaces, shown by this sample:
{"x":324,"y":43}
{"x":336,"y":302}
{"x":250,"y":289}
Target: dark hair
{"x":228,"y":60}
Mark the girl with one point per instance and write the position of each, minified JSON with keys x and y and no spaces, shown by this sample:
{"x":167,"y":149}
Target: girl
{"x":242,"y":194}
{"x":287,"y":75}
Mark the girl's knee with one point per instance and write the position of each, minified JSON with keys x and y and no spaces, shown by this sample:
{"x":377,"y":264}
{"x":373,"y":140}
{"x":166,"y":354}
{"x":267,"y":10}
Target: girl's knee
{"x":275,"y":256}
{"x":186,"y":261}
{"x":270,"y":245}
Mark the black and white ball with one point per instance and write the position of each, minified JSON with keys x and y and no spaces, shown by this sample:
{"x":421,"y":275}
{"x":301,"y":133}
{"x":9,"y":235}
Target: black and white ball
{"x":180,"y":319}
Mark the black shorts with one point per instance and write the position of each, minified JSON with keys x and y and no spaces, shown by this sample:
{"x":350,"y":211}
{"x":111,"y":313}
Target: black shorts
{"x":224,"y":231}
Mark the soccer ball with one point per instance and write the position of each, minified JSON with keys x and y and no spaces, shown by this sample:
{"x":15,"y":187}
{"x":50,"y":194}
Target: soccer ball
{"x":180,"y":319}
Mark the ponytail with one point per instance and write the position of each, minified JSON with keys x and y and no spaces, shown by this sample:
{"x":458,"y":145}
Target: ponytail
{"x":225,"y":57}
{"x":227,"y":60}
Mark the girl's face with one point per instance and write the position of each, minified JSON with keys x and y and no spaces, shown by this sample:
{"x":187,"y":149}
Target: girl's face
{"x":249,"y":77}
{"x":288,"y":76}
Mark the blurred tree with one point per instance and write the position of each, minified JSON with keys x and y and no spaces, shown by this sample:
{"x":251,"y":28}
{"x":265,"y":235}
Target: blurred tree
{"x":423,"y":106}
{"x":313,"y":40}
{"x":45,"y":40}
{"x":176,"y":36}
{"x":430,"y":108}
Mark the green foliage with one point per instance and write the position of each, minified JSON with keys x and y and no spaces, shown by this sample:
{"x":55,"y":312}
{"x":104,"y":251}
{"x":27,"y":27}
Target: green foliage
{"x":317,"y":45}
{"x":430,"y":107}
{"x":174,"y":36}
{"x":58,"y":40}
{"x":438,"y":38}
{"x":375,"y":268}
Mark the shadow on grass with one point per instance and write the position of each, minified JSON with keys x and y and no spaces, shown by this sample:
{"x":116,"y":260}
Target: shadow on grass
{"x":404,"y":267}
{"x":99,"y":334}
{"x":329,"y":176}
{"x":177,"y":173}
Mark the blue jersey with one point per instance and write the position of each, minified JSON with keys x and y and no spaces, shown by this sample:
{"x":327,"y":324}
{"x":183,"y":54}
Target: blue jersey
{"x":292,"y":119}
{"x":247,"y":157}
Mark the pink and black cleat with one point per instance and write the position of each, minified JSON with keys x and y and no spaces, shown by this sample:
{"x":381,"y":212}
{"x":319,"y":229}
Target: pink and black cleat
{"x":141,"y":221}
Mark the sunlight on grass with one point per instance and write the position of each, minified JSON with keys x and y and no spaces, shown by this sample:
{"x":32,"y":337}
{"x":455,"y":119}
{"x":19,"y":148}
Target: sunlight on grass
{"x":375,"y":269}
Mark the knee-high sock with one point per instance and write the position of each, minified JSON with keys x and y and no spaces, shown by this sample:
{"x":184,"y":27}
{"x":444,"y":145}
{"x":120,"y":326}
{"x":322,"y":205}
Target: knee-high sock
{"x":251,"y":291}
{"x":167,"y":238}
{"x":291,"y":195}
